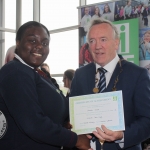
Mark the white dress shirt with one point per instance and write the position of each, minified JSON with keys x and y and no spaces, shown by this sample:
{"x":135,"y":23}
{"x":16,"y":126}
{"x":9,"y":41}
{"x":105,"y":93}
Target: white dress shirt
{"x":20,"y":59}
{"x":110,"y":67}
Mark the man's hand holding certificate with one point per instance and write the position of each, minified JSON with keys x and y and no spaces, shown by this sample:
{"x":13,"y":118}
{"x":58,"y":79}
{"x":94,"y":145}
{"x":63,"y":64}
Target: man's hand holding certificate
{"x":90,"y":111}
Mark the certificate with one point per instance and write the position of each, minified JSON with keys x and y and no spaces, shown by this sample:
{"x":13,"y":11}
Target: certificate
{"x":90,"y":111}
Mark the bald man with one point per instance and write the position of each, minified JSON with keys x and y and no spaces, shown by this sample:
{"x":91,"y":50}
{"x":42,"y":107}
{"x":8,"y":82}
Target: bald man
{"x":10,"y":54}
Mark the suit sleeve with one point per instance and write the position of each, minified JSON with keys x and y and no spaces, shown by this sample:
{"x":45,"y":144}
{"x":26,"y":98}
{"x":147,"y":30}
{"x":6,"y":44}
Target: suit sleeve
{"x":139,"y":129}
{"x":19,"y":93}
{"x":74,"y":86}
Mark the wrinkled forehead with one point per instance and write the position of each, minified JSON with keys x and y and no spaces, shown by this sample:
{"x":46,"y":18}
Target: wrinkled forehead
{"x":103,"y":28}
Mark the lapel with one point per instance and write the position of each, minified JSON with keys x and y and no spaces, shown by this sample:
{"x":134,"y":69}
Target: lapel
{"x":91,"y":77}
{"x":116,"y":72}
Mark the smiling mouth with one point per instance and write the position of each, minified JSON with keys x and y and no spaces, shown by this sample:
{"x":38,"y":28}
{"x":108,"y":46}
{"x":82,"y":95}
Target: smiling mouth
{"x":101,"y":53}
{"x":36,"y":54}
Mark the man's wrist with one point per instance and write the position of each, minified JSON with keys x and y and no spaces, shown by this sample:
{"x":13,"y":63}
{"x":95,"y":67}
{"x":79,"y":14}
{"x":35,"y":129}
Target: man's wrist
{"x":121,"y":138}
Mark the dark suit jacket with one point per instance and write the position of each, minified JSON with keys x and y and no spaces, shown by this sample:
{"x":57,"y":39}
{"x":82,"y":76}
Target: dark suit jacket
{"x":135,"y":85}
{"x":34,"y":109}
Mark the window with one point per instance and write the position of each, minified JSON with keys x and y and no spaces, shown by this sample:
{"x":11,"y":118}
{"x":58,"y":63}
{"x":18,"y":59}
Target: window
{"x":27,"y":10}
{"x":9,"y":40}
{"x":63,"y":52}
{"x":64,"y":46}
{"x":59,"y":13}
{"x":61,"y":85}
{"x":10,"y":14}
{"x":94,"y":1}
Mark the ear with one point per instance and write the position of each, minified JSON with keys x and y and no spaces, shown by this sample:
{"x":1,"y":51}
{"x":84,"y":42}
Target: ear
{"x":17,"y":43}
{"x":117,"y":42}
{"x":17,"y":46}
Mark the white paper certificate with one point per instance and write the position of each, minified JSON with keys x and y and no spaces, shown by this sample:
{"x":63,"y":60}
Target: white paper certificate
{"x":90,"y":111}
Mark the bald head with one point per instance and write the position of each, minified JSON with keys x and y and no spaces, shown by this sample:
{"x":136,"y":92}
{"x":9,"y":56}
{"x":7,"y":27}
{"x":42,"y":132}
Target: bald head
{"x":10,"y":54}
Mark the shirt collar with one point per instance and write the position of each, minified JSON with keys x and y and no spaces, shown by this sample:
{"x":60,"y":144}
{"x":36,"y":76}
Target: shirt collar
{"x":110,"y":66}
{"x":20,"y":59}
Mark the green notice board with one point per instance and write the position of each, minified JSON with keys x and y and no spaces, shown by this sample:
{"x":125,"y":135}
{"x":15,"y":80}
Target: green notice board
{"x":129,"y":39}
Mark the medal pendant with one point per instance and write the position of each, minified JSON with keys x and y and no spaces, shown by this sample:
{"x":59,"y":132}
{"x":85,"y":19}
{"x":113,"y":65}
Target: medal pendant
{"x":95,"y":90}
{"x":114,"y":89}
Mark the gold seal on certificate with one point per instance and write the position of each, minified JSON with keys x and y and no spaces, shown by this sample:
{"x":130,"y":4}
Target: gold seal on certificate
{"x":95,"y":90}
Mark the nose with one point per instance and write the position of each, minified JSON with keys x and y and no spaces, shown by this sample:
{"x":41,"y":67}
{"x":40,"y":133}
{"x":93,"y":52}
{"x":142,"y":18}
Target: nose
{"x":98,"y":44}
{"x":39,"y":45}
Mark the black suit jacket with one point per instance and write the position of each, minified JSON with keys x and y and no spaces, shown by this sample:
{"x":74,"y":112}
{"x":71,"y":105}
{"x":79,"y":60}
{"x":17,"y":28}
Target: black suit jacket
{"x":134,"y":82}
{"x":35,"y":111}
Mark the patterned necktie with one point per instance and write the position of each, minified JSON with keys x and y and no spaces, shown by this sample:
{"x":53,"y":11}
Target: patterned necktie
{"x":102,"y":81}
{"x":41,"y":73}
